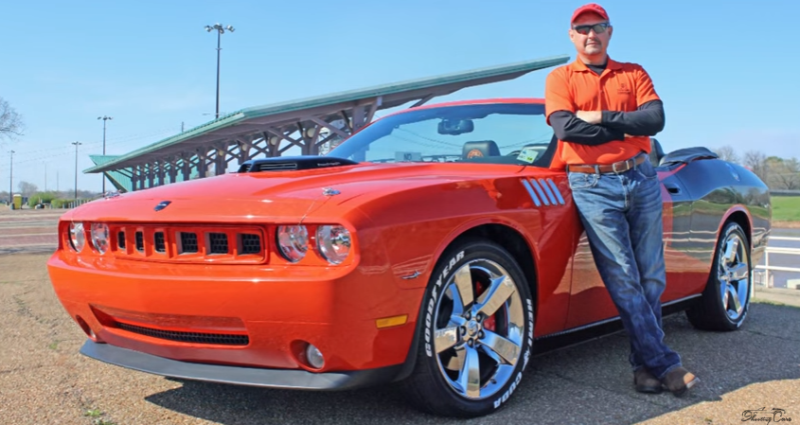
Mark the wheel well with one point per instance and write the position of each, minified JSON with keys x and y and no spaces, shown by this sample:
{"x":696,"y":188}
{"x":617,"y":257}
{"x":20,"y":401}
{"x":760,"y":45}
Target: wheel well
{"x":516,"y":245}
{"x":741,"y":219}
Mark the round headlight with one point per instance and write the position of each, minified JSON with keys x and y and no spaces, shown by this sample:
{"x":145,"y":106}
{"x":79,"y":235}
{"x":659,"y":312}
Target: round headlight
{"x":100,"y":237}
{"x":293,"y":241}
{"x":77,"y":237}
{"x":333,"y":243}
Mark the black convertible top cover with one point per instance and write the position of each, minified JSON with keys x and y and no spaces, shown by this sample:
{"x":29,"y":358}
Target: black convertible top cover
{"x":687,"y":155}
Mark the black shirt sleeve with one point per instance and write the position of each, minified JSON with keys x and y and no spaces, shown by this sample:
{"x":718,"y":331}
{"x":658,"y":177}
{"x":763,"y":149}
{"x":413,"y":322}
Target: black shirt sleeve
{"x":570,"y":128}
{"x":647,"y":120}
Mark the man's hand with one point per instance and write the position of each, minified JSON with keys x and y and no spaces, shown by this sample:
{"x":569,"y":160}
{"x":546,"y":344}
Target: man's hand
{"x":592,"y":117}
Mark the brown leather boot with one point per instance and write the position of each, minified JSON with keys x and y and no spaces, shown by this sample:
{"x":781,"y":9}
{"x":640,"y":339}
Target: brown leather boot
{"x":679,"y":380}
{"x":645,"y":382}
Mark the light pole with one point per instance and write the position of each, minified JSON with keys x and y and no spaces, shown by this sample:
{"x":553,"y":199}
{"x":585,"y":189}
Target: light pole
{"x":220,"y":30}
{"x":104,"y":118}
{"x":76,"y":169}
{"x":11,"y":180}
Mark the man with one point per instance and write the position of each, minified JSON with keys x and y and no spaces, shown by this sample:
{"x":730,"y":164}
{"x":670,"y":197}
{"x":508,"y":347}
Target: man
{"x":602,"y":113}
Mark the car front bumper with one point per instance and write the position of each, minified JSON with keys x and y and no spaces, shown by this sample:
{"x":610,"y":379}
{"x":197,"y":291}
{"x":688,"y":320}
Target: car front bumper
{"x":191,"y":314}
{"x":236,"y":375}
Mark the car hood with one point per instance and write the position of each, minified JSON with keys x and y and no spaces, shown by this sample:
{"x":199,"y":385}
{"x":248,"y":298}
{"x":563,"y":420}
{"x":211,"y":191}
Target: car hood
{"x":280,"y":196}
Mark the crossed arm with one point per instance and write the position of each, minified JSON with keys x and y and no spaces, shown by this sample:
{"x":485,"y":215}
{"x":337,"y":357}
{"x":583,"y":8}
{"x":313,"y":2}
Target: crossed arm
{"x":598,"y":127}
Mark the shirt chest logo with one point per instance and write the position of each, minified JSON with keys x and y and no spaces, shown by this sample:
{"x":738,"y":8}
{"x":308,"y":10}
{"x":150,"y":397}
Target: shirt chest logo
{"x":623,"y":88}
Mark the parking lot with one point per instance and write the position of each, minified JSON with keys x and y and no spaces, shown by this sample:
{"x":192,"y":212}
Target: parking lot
{"x":43,"y":378}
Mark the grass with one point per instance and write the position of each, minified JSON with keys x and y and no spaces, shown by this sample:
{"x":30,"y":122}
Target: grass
{"x":96,"y":414}
{"x":93,"y":413}
{"x":786,"y":208}
{"x":771,"y":302}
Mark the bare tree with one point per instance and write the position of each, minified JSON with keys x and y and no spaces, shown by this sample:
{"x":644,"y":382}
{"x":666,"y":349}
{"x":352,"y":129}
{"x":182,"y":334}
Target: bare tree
{"x":27,"y":189}
{"x":784,"y":174}
{"x":727,"y":153}
{"x":10,"y":121}
{"x":757,"y":162}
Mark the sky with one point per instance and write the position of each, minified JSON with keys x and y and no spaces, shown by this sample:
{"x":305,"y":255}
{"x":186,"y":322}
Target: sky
{"x":726,"y":70}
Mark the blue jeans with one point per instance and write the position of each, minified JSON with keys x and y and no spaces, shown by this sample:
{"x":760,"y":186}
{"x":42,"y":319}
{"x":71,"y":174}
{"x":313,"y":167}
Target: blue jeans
{"x":622,"y":217}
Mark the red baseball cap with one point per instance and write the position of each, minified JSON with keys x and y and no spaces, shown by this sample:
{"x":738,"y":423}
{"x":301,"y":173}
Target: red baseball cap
{"x":591,"y":7}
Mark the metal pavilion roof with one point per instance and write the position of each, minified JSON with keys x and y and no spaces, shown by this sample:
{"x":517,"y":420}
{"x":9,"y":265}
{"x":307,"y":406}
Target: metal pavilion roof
{"x":322,"y":109}
{"x":121,"y":179}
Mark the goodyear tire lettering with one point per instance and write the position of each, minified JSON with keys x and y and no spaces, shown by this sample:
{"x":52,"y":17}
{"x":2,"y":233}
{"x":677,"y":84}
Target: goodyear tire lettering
{"x":507,"y":394}
{"x":434,"y":297}
{"x":499,"y":402}
{"x":530,"y":333}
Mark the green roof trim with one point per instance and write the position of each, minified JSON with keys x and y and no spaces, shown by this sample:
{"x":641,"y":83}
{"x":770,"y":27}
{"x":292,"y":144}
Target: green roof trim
{"x":240,"y":116}
{"x":103,"y":159}
{"x":122,"y":182}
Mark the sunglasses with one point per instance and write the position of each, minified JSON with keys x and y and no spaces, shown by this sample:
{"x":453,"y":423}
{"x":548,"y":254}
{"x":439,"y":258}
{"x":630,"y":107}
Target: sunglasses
{"x":598,"y":28}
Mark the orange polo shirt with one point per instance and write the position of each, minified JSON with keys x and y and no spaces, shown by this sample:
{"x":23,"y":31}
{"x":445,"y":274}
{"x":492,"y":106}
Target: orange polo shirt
{"x":621,"y":87}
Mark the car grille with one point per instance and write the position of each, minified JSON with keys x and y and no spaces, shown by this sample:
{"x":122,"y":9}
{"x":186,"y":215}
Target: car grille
{"x":194,"y":329}
{"x":191,"y":337}
{"x":193,"y":244}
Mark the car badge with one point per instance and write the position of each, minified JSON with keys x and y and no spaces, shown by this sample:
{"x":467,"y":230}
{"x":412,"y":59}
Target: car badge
{"x":161,"y":205}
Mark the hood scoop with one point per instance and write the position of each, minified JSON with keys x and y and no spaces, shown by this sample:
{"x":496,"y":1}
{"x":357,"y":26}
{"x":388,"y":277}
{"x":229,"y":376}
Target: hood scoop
{"x":292,"y":163}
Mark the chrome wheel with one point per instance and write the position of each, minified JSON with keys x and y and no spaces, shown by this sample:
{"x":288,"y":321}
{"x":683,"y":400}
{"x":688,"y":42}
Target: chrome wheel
{"x":725,"y":300}
{"x":476,"y":331}
{"x":479,"y":326}
{"x":733,"y":273}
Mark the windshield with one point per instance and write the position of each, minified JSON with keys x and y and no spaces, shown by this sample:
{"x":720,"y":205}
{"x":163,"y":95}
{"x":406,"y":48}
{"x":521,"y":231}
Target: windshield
{"x":499,"y":133}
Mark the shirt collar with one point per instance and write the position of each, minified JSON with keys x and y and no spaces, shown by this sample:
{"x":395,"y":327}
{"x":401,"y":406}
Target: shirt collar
{"x":579,"y":66}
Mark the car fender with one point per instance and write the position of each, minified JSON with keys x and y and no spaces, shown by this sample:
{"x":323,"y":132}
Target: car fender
{"x":475,"y":223}
{"x":736,"y":208}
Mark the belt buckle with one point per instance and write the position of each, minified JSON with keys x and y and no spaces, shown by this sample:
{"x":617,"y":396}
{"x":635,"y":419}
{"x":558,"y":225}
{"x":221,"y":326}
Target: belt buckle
{"x":628,"y":164}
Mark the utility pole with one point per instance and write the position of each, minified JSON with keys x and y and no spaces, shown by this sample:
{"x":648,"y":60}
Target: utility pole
{"x":11,"y":180}
{"x":76,"y":168}
{"x":220,"y":30}
{"x":103,"y":175}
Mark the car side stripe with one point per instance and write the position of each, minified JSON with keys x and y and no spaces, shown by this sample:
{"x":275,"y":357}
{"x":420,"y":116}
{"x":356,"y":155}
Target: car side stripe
{"x":557,"y":192}
{"x":539,"y":190}
{"x":549,"y":192}
{"x":530,"y":192}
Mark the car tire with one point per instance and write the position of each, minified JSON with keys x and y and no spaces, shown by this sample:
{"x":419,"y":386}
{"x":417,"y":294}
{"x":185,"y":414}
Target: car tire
{"x":730,"y":276}
{"x":435,"y":386}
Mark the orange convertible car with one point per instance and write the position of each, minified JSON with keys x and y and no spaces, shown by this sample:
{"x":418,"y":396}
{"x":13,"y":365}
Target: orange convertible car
{"x":433,"y":247}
